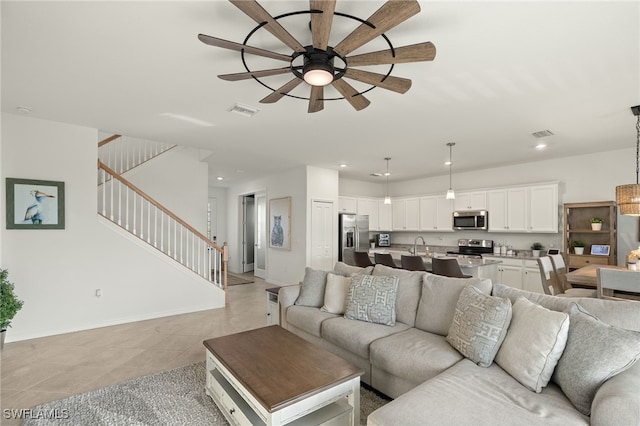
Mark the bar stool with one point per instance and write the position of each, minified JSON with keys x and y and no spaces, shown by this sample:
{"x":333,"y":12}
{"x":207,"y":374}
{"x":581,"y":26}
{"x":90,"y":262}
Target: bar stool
{"x":447,"y":266}
{"x":362,"y":259}
{"x":385,"y":259}
{"x":412,"y":263}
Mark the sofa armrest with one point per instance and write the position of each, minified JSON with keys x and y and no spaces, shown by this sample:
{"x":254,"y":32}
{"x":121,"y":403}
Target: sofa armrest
{"x":286,"y":297}
{"x":617,"y":402}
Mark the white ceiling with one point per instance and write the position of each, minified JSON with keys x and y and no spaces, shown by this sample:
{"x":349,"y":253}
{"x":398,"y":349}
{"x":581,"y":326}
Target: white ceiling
{"x":503,"y":70}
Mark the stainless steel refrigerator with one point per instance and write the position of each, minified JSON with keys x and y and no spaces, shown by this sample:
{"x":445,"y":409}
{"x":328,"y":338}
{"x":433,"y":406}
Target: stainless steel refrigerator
{"x":354,"y":235}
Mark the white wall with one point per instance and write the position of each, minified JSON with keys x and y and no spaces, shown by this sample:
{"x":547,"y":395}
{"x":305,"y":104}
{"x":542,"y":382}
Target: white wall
{"x":56,"y":272}
{"x":582,"y":178}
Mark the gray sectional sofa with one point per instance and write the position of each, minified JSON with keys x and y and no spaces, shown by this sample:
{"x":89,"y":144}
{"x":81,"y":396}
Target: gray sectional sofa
{"x":547,"y":360}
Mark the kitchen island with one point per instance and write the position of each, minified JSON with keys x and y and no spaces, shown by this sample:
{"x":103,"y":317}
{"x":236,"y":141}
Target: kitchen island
{"x":476,"y":267}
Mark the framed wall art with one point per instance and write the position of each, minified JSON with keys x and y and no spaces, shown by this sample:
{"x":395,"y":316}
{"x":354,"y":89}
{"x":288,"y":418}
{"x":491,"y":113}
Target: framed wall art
{"x":34,"y":204}
{"x":280,"y":223}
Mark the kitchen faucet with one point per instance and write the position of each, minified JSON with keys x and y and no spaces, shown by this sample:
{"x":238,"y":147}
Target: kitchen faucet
{"x":415,"y":244}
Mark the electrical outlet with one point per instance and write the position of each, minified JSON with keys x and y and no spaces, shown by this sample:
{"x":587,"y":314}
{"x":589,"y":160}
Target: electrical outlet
{"x":98,"y":292}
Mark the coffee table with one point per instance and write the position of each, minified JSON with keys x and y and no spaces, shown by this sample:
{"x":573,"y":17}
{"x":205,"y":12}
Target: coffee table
{"x":271,"y":376}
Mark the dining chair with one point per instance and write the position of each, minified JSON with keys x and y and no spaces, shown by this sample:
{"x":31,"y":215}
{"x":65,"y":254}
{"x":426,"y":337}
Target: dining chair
{"x":385,"y":259}
{"x":362,"y":259}
{"x":447,"y":266}
{"x":412,"y":263}
{"x":551,"y":282}
{"x":610,"y":280}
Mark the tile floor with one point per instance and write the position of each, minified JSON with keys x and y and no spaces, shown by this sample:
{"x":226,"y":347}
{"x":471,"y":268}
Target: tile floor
{"x":49,"y":368}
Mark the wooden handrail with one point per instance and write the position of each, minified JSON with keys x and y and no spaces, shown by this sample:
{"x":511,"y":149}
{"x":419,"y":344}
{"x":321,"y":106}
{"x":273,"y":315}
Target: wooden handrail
{"x":116,"y":176}
{"x":107,"y":140}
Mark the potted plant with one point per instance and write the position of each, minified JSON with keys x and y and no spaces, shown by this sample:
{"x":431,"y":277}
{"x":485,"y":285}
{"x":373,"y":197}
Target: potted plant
{"x":9,"y":304}
{"x":578,"y":246}
{"x":372,"y":242}
{"x":596,"y":223}
{"x":535,"y":248}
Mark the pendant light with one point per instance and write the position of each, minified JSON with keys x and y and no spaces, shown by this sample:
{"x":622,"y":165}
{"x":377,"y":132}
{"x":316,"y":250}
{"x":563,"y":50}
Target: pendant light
{"x":387,"y":198}
{"x":628,"y":196}
{"x":450,"y":194}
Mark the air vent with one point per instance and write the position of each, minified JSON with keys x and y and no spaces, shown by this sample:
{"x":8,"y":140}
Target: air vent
{"x":245,"y":110}
{"x":542,"y":134}
{"x":376,"y":174}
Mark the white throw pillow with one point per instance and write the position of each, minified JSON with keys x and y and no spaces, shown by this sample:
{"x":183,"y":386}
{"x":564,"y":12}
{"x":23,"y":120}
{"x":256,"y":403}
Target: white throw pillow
{"x":335,"y":293}
{"x":534,"y":343}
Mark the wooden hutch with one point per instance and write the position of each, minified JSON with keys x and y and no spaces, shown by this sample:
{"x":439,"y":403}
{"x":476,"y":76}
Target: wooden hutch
{"x":577,"y":227}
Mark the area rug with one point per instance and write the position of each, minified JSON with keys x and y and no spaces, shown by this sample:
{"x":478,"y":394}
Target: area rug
{"x":171,"y":398}
{"x":237,"y":280}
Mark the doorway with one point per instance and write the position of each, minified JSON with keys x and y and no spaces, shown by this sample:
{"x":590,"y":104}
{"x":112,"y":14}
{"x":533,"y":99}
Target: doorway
{"x":254,"y":235}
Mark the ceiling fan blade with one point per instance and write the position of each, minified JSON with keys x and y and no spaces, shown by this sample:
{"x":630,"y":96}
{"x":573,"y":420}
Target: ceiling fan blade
{"x":395,"y":84}
{"x":351,"y":95}
{"x":256,"y":12}
{"x":280,"y":92}
{"x":258,"y":74}
{"x":392,"y":13}
{"x":316,"y":101}
{"x":321,"y":22}
{"x":415,"y":53}
{"x":226,"y":44}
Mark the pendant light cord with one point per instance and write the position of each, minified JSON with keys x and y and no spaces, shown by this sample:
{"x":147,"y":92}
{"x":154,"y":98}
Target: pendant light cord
{"x":450,"y":163}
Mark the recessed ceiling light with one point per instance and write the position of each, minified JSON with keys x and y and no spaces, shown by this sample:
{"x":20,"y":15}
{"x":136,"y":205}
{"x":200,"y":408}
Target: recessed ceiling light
{"x":447,"y":163}
{"x":343,"y":165}
{"x":220,"y":178}
{"x":541,"y":145}
{"x":23,"y":110}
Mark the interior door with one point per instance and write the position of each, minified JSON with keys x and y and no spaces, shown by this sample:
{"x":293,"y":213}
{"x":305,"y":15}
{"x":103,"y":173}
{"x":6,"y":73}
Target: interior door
{"x":260,"y":247}
{"x":248,"y":232}
{"x":322,"y":235}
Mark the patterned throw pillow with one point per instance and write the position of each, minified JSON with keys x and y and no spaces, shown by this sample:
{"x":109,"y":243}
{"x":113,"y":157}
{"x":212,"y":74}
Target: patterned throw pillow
{"x":479,"y":325}
{"x":595,"y":352}
{"x":372,"y":299}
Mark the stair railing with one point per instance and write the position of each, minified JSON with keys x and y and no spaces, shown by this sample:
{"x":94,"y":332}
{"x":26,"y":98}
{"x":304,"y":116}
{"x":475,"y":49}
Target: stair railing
{"x":121,"y":202}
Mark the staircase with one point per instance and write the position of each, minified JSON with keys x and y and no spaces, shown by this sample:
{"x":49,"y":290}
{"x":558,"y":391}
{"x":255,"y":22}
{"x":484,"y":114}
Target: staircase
{"x":124,"y":204}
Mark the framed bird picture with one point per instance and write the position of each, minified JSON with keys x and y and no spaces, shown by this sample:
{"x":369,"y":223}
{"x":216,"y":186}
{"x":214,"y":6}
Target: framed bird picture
{"x":35,"y":204}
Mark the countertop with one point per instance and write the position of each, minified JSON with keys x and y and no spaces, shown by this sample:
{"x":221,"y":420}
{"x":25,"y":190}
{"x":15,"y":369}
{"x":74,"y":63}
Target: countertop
{"x":466,"y":262}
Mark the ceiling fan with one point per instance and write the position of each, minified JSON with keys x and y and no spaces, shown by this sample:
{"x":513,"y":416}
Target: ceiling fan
{"x":320,"y":64}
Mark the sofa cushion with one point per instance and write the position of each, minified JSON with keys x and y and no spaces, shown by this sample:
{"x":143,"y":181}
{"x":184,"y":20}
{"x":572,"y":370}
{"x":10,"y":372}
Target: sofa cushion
{"x":372,"y":299}
{"x":342,"y":268}
{"x":307,"y":318}
{"x":594,"y":353}
{"x":312,"y":288}
{"x":409,"y":287}
{"x":413,"y":355}
{"x":439,"y":298}
{"x":466,"y":394}
{"x":357,"y":336}
{"x":335,"y":293}
{"x":534,"y":343}
{"x":479,"y":325}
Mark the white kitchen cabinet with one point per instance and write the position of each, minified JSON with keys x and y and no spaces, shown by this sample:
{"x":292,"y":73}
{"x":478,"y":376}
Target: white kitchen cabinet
{"x":385,"y":215}
{"x":405,"y":214}
{"x":369,"y":207}
{"x":522,"y":274}
{"x":347,"y":205}
{"x":508,"y":210}
{"x":476,"y":200}
{"x":543,"y":208}
{"x":436,"y":214}
{"x":523,"y":209}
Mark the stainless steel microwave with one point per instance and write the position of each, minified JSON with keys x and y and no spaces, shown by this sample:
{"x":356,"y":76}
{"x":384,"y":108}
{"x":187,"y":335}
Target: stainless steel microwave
{"x":476,"y":219}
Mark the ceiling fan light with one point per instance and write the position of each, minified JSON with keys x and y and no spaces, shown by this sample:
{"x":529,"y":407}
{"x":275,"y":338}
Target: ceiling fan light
{"x":318,"y":73}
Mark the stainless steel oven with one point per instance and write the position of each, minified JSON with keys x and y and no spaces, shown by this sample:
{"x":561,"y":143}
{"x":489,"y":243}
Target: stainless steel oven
{"x":473,"y":219}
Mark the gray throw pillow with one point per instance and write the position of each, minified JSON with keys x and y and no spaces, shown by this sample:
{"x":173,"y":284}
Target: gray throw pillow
{"x":372,"y":299}
{"x":479,"y":325}
{"x":312,"y":288}
{"x":595,"y":352}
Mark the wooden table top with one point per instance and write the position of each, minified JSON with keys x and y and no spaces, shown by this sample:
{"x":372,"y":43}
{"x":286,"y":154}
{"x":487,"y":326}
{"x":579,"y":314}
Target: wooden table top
{"x":279,"y":368}
{"x":587,"y":275}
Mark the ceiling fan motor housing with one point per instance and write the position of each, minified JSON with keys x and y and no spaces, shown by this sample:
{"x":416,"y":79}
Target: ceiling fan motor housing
{"x":318,"y":60}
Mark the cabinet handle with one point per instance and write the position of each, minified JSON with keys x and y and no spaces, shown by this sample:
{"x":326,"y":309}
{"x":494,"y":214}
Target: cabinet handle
{"x":233,"y":410}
